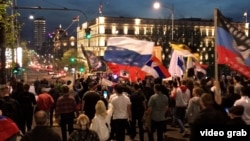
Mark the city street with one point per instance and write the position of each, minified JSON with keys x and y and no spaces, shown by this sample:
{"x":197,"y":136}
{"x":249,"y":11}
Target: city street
{"x":172,"y":134}
{"x":32,"y":75}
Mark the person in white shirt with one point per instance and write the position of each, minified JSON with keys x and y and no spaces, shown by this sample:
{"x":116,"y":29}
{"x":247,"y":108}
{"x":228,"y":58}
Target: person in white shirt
{"x":245,"y":102}
{"x":181,"y":102}
{"x":122,"y":111}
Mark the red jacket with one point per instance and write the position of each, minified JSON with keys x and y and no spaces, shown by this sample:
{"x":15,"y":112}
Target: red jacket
{"x":45,"y":101}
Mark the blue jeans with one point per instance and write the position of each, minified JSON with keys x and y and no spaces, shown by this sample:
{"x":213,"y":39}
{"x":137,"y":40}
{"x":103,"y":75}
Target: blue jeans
{"x":180,"y":117}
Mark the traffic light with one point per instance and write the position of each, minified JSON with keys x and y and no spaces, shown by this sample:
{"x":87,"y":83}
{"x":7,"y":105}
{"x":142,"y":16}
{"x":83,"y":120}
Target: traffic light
{"x":81,"y":69}
{"x":16,"y":69}
{"x":72,"y":59}
{"x":87,"y":33}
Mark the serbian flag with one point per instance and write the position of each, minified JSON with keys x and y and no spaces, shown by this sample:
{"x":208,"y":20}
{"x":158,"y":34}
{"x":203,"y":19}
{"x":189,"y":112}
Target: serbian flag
{"x":233,"y":46}
{"x":155,"y":68}
{"x":177,"y":66}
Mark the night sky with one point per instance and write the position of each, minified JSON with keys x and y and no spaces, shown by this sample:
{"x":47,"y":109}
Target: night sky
{"x":126,"y":8}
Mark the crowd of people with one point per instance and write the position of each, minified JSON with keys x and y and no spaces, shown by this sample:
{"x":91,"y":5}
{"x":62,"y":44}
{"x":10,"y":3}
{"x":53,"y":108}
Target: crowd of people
{"x":83,"y":111}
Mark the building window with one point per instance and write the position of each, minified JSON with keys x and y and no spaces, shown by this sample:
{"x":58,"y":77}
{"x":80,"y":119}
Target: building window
{"x":120,"y":31}
{"x":141,"y":32}
{"x":108,"y":31}
{"x":131,"y":32}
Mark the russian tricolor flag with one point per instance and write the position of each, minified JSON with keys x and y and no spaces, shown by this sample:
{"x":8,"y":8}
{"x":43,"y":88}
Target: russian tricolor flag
{"x":128,"y":51}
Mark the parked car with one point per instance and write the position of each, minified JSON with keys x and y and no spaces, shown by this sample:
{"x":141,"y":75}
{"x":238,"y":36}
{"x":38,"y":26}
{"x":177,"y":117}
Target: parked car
{"x":51,"y":72}
{"x":56,"y":76}
{"x":62,"y":73}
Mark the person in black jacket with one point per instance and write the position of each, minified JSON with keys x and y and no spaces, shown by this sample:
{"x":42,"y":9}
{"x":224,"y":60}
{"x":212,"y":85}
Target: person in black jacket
{"x":235,"y":113}
{"x":27,"y":101}
{"x":208,"y":118}
{"x":10,"y":107}
{"x":42,"y":132}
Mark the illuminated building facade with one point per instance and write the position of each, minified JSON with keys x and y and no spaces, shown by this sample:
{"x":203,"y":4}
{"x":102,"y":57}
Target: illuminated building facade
{"x":39,"y":32}
{"x":103,"y":28}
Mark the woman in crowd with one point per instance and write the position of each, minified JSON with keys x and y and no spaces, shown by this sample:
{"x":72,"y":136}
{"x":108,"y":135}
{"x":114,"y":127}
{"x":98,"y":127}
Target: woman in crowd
{"x":101,"y":121}
{"x":83,"y":133}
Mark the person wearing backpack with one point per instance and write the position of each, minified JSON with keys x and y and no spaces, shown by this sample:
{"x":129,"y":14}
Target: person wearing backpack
{"x":101,"y":121}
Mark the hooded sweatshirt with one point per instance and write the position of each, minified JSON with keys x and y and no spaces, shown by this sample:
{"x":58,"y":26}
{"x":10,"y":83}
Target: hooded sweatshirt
{"x":182,"y":96}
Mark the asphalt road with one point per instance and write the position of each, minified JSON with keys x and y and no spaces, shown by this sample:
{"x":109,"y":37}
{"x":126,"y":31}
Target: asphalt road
{"x":32,"y":75}
{"x":172,"y":134}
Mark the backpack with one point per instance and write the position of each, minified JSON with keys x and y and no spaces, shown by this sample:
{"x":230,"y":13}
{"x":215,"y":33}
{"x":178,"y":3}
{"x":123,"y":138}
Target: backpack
{"x":103,"y":130}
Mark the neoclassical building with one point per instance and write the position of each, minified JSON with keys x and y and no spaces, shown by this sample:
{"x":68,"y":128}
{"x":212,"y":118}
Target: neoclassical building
{"x":103,"y":28}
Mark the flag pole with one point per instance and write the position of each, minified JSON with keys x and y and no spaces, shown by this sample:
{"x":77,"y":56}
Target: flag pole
{"x":87,"y":58}
{"x":217,"y":95}
{"x":215,"y":45}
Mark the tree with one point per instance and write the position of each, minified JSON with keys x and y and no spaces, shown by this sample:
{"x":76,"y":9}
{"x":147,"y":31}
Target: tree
{"x":66,"y":60}
{"x":8,"y":35}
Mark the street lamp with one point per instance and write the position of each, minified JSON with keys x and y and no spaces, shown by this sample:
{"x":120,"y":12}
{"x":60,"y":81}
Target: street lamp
{"x":157,"y":5}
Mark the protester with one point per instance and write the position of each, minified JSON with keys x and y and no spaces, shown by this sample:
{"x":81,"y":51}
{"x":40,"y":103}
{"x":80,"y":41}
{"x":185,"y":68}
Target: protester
{"x":244,"y":101}
{"x":89,"y":100}
{"x":10,"y":107}
{"x":157,"y":107}
{"x":42,"y":130}
{"x":9,"y":130}
{"x":101,"y":122}
{"x":138,"y":107}
{"x":83,"y":133}
{"x":122,"y":111}
{"x":65,"y":112}
{"x":208,"y":117}
{"x":27,"y":101}
{"x":235,"y":113}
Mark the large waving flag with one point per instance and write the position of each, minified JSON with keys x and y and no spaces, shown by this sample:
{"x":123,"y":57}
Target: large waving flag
{"x":177,"y":66}
{"x":155,"y":68}
{"x":128,"y":51}
{"x":128,"y":55}
{"x":233,"y":46}
{"x":132,"y":72}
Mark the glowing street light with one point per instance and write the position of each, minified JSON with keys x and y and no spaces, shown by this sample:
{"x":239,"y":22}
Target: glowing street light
{"x":31,"y":17}
{"x":157,"y":5}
